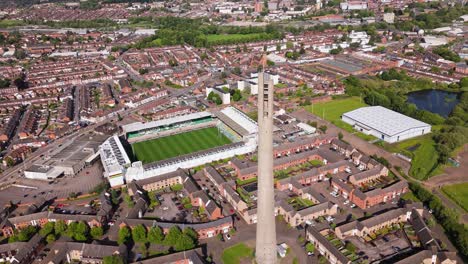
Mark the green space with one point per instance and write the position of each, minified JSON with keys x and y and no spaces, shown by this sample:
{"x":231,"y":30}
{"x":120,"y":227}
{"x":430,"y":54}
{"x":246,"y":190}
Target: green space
{"x":423,"y":153}
{"x":236,"y":253}
{"x":332,"y":110}
{"x":179,"y":144}
{"x":299,"y":203}
{"x":216,"y":39}
{"x":458,"y":193}
{"x":11,"y":23}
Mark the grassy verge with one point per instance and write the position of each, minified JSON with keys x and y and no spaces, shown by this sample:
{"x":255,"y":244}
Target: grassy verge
{"x":458,"y":193}
{"x":236,"y":253}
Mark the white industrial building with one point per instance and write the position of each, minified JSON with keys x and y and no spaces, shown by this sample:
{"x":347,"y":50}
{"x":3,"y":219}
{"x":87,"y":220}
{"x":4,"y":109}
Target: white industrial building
{"x":42,"y":172}
{"x":385,"y":124}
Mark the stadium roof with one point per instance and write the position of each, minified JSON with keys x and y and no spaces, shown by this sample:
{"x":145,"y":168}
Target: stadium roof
{"x":384,"y":120}
{"x":242,"y":119}
{"x":138,"y":126}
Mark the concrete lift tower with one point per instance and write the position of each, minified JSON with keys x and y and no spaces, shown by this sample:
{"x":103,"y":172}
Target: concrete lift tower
{"x":265,"y":251}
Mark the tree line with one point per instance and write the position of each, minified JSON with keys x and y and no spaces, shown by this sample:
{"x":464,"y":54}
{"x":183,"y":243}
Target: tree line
{"x":176,"y":239}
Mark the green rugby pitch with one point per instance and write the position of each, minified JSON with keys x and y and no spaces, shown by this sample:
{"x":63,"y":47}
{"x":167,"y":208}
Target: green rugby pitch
{"x":179,"y":144}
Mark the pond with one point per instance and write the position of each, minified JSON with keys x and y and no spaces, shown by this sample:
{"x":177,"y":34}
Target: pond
{"x":435,"y":101}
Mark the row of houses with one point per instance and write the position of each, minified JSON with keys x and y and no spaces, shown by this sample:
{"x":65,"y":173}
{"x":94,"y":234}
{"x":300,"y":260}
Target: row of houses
{"x":247,"y":170}
{"x":429,"y":252}
{"x":10,"y":225}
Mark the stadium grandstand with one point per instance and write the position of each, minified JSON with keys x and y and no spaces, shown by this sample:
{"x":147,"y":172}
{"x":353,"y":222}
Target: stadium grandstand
{"x":235,"y":120}
{"x":138,"y":171}
{"x":142,"y":131}
{"x":114,"y":160}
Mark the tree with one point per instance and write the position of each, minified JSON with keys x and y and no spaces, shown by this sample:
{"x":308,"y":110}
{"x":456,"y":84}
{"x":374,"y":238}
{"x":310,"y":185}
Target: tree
{"x":81,"y":231}
{"x":114,"y":259}
{"x":50,"y":238}
{"x":4,"y":83}
{"x":96,"y":232}
{"x":26,"y":233}
{"x":185,"y":242}
{"x":143,"y":71}
{"x":139,"y":234}
{"x":155,"y":235}
{"x":172,"y":236}
{"x":19,"y":54}
{"x":336,"y":51}
{"x":60,"y":227}
{"x":236,"y":95}
{"x":323,"y":128}
{"x":191,"y":233}
{"x":215,"y":98}
{"x":310,"y":247}
{"x":340,"y":135}
{"x":124,"y":235}
{"x":47,"y":229}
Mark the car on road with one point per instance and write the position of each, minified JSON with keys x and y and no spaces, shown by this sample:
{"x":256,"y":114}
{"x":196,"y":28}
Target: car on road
{"x":346,"y":202}
{"x":353,"y":205}
{"x":310,"y":254}
{"x":228,"y":237}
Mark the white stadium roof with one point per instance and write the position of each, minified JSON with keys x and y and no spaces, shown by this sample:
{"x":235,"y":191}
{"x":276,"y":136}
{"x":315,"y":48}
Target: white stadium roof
{"x":384,"y":120}
{"x":242,"y":119}
{"x":138,"y":126}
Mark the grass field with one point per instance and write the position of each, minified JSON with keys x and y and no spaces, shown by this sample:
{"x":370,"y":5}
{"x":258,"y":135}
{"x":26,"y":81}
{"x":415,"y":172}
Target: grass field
{"x":333,"y":110}
{"x":236,"y":253}
{"x":179,"y":144}
{"x":422,"y":152}
{"x":458,"y":193}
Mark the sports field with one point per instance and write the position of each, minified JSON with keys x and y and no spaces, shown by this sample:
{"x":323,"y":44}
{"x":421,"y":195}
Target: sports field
{"x":179,"y":144}
{"x":332,"y":110}
{"x":458,"y":193}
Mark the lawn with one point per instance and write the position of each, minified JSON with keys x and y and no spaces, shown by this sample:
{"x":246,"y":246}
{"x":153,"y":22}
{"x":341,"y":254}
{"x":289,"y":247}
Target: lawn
{"x":458,"y":193}
{"x":179,"y":144}
{"x":234,"y":254}
{"x":332,"y":110}
{"x":422,"y":152}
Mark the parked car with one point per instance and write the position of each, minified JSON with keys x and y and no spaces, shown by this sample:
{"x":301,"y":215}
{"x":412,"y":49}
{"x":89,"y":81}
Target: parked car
{"x":228,"y":237}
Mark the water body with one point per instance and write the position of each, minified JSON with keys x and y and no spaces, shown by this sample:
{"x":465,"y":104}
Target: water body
{"x":435,"y":101}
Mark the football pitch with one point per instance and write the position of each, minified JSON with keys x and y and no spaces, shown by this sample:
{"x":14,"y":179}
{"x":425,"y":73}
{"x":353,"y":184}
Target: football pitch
{"x":179,"y":144}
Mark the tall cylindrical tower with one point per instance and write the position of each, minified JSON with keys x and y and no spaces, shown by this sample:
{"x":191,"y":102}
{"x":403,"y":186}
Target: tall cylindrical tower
{"x":266,"y":228}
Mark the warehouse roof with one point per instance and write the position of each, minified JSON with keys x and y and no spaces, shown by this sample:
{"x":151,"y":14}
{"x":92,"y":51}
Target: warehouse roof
{"x":384,"y":120}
